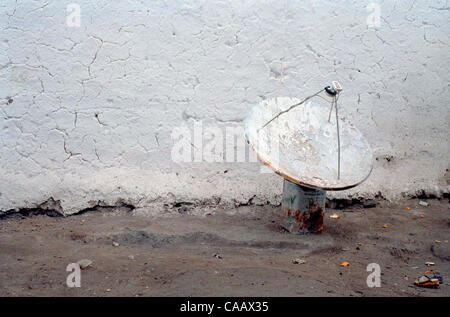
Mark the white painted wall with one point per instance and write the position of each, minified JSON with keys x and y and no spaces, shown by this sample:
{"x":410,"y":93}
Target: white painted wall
{"x":87,"y":112}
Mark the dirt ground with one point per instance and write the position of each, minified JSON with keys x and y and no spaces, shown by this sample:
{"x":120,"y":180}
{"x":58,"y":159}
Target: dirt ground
{"x":235,"y":252}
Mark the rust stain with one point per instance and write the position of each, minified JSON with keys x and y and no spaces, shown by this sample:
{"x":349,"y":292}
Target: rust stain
{"x":307,"y":182}
{"x":308,"y":221}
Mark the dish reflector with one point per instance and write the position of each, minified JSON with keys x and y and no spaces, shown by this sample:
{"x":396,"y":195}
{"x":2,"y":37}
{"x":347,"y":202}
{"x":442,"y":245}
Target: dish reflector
{"x":301,"y":145}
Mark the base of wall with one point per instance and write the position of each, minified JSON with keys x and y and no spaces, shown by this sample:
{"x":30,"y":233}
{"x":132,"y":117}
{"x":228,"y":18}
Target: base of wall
{"x":165,"y":192}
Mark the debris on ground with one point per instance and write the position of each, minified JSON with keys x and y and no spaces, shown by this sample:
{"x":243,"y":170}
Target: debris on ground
{"x":115,"y":244}
{"x":84,"y":263}
{"x":345,"y":249}
{"x":131,"y":257}
{"x":430,"y":263}
{"x":335,"y":216}
{"x":404,"y":248}
{"x":437,"y":241}
{"x":425,"y":281}
{"x":438,"y":277}
{"x":298,"y":261}
{"x":423,"y":203}
{"x":345,"y":263}
{"x":218,"y":256}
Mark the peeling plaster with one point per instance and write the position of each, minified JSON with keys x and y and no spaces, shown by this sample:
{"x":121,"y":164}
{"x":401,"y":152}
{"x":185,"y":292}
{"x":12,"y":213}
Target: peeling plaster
{"x":86,"y":113}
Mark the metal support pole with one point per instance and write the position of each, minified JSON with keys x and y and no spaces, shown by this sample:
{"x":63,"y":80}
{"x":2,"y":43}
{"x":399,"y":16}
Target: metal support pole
{"x":303,"y":208}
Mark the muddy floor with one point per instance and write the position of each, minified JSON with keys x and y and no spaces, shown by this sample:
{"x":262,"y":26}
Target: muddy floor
{"x":236,"y":252}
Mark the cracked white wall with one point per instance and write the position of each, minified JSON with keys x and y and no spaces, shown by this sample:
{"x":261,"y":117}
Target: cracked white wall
{"x":86,"y":112}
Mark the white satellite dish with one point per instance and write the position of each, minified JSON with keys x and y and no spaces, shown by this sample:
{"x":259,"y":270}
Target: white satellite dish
{"x":300,"y":140}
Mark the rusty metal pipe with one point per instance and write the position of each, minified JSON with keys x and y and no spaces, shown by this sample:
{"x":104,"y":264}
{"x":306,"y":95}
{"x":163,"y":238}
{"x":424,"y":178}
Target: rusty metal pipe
{"x":302,"y":208}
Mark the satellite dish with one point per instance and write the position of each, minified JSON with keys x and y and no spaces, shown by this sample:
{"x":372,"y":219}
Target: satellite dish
{"x":300,"y":140}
